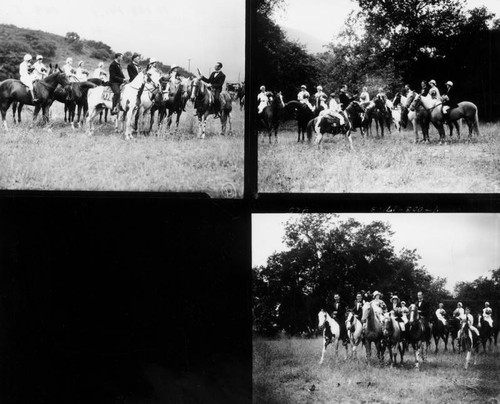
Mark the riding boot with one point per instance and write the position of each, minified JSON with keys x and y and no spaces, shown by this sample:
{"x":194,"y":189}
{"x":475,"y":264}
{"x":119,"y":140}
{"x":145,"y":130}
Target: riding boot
{"x":33,"y":97}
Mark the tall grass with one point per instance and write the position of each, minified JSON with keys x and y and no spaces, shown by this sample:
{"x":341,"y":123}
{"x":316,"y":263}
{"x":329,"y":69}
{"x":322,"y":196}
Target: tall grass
{"x":57,"y":157}
{"x":285,"y":371}
{"x":392,"y":164}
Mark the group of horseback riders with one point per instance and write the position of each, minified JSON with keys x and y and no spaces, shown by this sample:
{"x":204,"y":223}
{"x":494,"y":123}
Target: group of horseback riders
{"x":30,"y":73}
{"x":399,"y":310}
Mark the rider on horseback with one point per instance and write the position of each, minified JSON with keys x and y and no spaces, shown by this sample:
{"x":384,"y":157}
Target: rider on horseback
{"x":262,"y":99}
{"x":434,"y":91}
{"x":215,"y":82}
{"x":116,"y":79}
{"x":40,"y":70}
{"x":487,"y":313}
{"x":395,"y":310}
{"x":26,"y":77}
{"x":447,"y":100}
{"x":320,"y":97}
{"x":303,"y":97}
{"x":467,"y":318}
{"x":441,"y":314}
{"x":333,"y":112}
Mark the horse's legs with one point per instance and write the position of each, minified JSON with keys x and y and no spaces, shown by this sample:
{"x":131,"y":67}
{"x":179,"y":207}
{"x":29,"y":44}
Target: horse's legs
{"x":4,"y":106}
{"x":325,"y":344}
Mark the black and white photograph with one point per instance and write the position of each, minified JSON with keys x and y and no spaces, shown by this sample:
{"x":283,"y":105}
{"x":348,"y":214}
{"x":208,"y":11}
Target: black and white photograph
{"x":345,"y":304}
{"x":374,"y":96}
{"x":127,"y":96}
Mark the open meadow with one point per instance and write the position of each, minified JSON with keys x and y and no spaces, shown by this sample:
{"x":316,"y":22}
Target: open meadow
{"x":288,"y":371}
{"x":57,"y":157}
{"x":393,"y":164}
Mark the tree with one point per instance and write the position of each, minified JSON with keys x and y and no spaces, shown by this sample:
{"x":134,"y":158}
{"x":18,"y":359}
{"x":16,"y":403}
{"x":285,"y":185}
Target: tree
{"x":328,"y":256}
{"x":72,"y":37}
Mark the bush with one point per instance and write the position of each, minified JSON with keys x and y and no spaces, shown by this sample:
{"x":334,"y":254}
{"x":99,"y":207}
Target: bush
{"x":77,"y":46}
{"x":100,"y":54}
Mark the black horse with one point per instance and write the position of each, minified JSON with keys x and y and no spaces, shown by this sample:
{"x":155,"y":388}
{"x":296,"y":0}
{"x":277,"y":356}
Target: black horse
{"x":378,"y":112}
{"x":486,"y":331}
{"x":269,"y":118}
{"x":302,"y":113}
{"x":78,"y":100}
{"x":440,"y":331}
{"x":12,"y":90}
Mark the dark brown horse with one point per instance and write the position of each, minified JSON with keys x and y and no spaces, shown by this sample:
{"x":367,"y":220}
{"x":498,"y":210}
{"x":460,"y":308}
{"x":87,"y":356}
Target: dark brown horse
{"x":302,"y":113}
{"x":174,"y":103}
{"x":269,"y":119}
{"x":204,"y":105}
{"x":440,"y":331}
{"x":378,"y":112}
{"x":14,"y":90}
{"x":78,"y":100}
{"x":17,"y":107}
{"x":419,"y":333}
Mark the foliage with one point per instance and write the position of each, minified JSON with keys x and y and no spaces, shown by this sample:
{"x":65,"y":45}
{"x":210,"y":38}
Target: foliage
{"x":328,"y":256}
{"x":72,"y":37}
{"x":482,"y":289}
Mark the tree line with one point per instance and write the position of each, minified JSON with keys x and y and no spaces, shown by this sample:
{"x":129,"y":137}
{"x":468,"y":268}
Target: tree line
{"x":388,"y":44}
{"x":326,"y":256}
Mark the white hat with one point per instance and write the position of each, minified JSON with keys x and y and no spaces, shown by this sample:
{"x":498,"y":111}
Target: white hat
{"x":101,"y":64}
{"x":459,"y":304}
{"x":39,"y":57}
{"x":153,"y":60}
{"x":376,"y":293}
{"x":262,"y":88}
{"x":486,"y":303}
{"x":394,"y":297}
{"x":432,"y":82}
{"x":69,"y":60}
{"x":173,"y":67}
{"x":319,"y":88}
{"x":303,"y":86}
{"x":27,"y":57}
{"x":449,"y":83}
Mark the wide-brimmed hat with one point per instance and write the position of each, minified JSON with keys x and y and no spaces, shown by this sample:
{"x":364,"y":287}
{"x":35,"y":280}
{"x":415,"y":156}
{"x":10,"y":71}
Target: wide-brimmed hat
{"x":432,"y":82}
{"x":27,"y":57}
{"x":459,"y":304}
{"x":153,"y":60}
{"x":486,"y":303}
{"x":395,"y":297}
{"x":174,"y":67}
{"x":69,"y":60}
{"x":319,"y":88}
{"x":262,"y":88}
{"x":374,"y":294}
{"x":303,"y":86}
{"x":449,"y":83}
{"x":38,"y":57}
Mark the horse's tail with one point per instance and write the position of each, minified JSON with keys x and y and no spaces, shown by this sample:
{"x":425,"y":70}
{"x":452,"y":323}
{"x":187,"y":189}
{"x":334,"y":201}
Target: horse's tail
{"x":476,"y":122}
{"x":309,"y":128}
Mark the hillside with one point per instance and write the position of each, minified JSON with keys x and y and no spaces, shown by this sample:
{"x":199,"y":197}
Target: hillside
{"x":15,"y":42}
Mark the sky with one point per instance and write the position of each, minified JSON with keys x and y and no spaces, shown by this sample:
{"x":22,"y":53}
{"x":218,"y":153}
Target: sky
{"x":171,"y":31}
{"x":322,"y":20}
{"x":459,"y":247}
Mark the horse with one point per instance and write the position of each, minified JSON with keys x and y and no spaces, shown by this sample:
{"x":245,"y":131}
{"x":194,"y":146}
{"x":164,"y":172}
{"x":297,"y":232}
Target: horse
{"x":329,"y":124}
{"x":440,"y":331}
{"x":378,"y":111}
{"x":98,"y":99}
{"x":204,"y":101}
{"x":393,"y":338}
{"x":302,"y":113}
{"x":469,"y":342}
{"x":417,"y":114}
{"x":241,"y":96}
{"x":466,"y":110}
{"x":354,"y":112}
{"x":373,"y":331}
{"x":99,"y":82}
{"x":14,"y":90}
{"x":149,"y":82}
{"x":418,"y":333}
{"x":354,"y":330}
{"x":175,"y":102}
{"x":18,"y":106}
{"x":269,"y":118}
{"x":485,"y":331}
{"x":79,"y":91}
{"x":454,"y":327}
{"x":331,"y":332}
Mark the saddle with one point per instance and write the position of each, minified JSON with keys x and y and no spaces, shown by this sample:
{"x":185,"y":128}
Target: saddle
{"x":107,"y":94}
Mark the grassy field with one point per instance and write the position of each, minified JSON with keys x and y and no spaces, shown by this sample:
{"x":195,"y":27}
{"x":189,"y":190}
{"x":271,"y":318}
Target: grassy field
{"x":285,"y":370}
{"x":57,"y":157}
{"x":392,"y":164}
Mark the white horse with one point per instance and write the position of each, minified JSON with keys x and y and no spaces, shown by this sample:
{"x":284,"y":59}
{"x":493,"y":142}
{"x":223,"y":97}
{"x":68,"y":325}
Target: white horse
{"x":331,"y":332}
{"x":98,"y":99}
{"x":149,"y":82}
{"x":354,"y":330}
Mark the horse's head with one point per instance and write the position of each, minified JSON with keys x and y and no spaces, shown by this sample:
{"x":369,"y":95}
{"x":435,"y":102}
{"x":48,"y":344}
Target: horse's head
{"x":414,"y":101}
{"x":387,"y":326}
{"x":322,"y":319}
{"x":367,"y":310}
{"x":197,"y":87}
{"x":413,"y":313}
{"x":153,"y":76}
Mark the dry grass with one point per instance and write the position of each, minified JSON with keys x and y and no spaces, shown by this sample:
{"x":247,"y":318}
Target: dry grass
{"x":392,"y":164}
{"x":285,"y":370}
{"x":57,"y":157}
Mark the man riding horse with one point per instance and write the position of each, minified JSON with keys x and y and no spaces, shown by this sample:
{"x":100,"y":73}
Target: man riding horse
{"x":216,"y":82}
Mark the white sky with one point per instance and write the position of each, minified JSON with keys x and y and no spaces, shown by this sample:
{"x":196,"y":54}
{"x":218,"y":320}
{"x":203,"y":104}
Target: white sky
{"x":323,"y":19}
{"x":172,"y":31}
{"x":459,"y":247}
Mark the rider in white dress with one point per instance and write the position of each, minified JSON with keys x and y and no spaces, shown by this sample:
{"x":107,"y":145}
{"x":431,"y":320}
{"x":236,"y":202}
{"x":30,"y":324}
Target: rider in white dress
{"x":40,"y":71}
{"x":26,"y":77}
{"x":487,"y":312}
{"x":303,"y":97}
{"x":262,"y":99}
{"x":333,"y":110}
{"x":441,"y":313}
